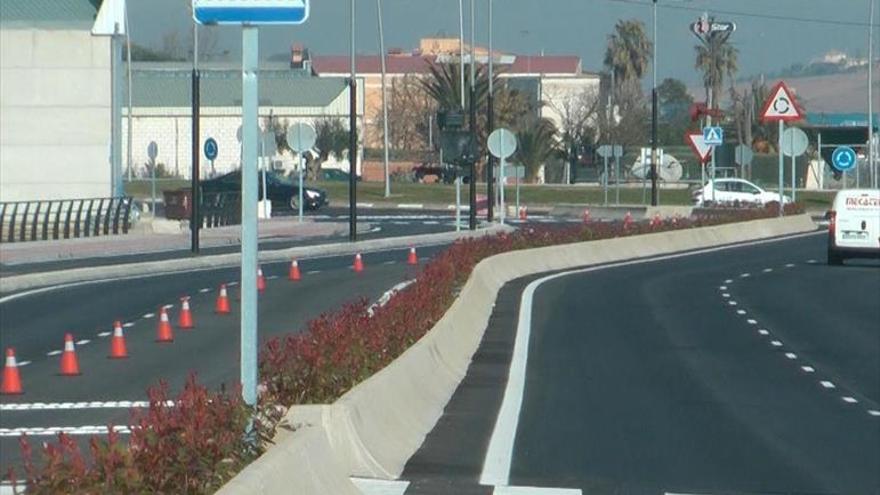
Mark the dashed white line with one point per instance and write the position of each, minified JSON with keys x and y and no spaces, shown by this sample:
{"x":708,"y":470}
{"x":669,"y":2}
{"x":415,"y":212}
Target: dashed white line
{"x":233,"y":283}
{"x":723,"y":287}
{"x":827,"y":384}
{"x":791,"y":355}
{"x":808,"y":369}
{"x":313,"y":272}
{"x":767,"y":270}
{"x":391,"y":262}
{"x":732,"y":303}
{"x":874,"y":412}
{"x":54,"y":430}
{"x":812,"y":262}
{"x":23,"y":363}
{"x":205,"y":290}
{"x":740,"y":311}
{"x":54,"y":406}
{"x":789,"y":265}
{"x":53,"y":353}
{"x":776,"y":343}
{"x":82,"y":341}
{"x":105,"y":334}
{"x":128,"y":324}
{"x":725,"y":295}
{"x":149,"y":315}
{"x":271,"y":277}
{"x":745,"y":275}
{"x":168,"y":306}
{"x":728,"y":281}
{"x":752,"y":321}
{"x":763,"y":332}
{"x":850,"y":400}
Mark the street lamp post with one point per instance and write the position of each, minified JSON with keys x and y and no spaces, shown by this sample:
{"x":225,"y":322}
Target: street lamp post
{"x":472,"y":212}
{"x":384,"y":99}
{"x":654,"y":192}
{"x":490,"y":126}
{"x":352,"y":139}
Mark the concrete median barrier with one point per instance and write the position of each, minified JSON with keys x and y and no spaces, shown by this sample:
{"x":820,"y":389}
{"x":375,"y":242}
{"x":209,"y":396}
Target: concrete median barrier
{"x":373,"y":429}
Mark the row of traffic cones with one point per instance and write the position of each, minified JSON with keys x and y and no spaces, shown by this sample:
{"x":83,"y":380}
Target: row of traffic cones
{"x":69,"y":366}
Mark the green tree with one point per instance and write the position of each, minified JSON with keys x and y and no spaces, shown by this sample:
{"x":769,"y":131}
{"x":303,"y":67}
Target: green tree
{"x":717,"y":59}
{"x":674,"y":103}
{"x":331,"y":139}
{"x":628,"y":52}
{"x":537,"y":144}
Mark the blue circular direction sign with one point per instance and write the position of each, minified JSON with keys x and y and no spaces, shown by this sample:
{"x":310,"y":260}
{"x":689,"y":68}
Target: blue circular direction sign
{"x":844,"y":158}
{"x":211,"y":149}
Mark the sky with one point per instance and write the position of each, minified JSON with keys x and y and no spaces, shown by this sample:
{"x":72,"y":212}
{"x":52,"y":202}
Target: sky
{"x":771,"y":34}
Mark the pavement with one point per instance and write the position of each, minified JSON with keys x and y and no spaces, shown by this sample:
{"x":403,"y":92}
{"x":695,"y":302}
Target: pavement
{"x":750,"y":370}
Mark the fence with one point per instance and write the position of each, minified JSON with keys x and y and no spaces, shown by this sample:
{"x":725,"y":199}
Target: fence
{"x":22,"y":221}
{"x":219,"y":209}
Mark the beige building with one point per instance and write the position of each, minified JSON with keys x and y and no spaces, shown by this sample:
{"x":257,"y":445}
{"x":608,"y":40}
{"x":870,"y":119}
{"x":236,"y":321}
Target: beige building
{"x":54,"y":101}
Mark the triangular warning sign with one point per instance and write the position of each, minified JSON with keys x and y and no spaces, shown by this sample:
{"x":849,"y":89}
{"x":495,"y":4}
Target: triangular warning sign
{"x":781,"y":105}
{"x":699,"y":146}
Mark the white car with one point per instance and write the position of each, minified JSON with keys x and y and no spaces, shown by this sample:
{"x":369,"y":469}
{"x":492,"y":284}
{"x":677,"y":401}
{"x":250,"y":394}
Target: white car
{"x":735,"y":192}
{"x":854,"y":225}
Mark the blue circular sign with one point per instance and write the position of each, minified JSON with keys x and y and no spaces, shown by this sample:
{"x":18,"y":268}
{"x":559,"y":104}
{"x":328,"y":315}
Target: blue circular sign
{"x":844,"y":158}
{"x":211,"y":149}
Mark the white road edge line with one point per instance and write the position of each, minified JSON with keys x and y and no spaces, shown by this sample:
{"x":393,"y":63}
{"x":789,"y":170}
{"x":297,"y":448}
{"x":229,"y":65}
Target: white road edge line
{"x":77,"y":406}
{"x":69,"y":430}
{"x":499,"y":454}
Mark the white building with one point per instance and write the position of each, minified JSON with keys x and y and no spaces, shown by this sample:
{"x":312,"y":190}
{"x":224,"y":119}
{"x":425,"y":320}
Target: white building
{"x":54,"y":101}
{"x":161,"y":112}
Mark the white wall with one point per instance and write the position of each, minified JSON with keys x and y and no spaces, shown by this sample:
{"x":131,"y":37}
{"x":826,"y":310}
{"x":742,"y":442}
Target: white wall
{"x":54,"y":114}
{"x":569,"y":98}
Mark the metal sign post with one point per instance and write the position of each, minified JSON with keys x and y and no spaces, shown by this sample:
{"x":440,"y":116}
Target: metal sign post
{"x":781,"y":107}
{"x":605,"y":151}
{"x":301,"y":137}
{"x":502,"y":144}
{"x":795,"y":143}
{"x":152,"y":153}
{"x":248,"y":15}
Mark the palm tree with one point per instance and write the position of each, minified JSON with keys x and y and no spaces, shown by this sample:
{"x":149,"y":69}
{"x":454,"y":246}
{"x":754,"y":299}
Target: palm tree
{"x":537,"y":144}
{"x":716,"y":59}
{"x":628,"y":52}
{"x":444,"y":86}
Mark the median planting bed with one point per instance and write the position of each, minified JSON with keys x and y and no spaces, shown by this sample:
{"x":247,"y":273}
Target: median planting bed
{"x":195,"y":442}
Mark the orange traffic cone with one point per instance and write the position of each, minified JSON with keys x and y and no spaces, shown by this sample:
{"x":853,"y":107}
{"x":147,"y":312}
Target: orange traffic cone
{"x":412,"y":259}
{"x":294,"y":274}
{"x":358,"y":263}
{"x":69,"y":362}
{"x":586,"y":216}
{"x":185,"y":319}
{"x":163,"y":329}
{"x":222,"y":306}
{"x":117,"y":342}
{"x":261,"y":280}
{"x":11,"y":379}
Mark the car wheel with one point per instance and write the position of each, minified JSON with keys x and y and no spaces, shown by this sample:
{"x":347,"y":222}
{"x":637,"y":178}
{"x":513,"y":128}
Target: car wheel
{"x":834,"y":259}
{"x":293,"y":203}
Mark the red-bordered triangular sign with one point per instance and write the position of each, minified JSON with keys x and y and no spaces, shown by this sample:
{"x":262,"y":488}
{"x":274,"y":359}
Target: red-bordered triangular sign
{"x":781,"y":105}
{"x":699,"y":146}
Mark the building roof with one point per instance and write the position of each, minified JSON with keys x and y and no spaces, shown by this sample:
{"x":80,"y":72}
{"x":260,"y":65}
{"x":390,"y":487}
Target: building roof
{"x":222,"y":88}
{"x":370,"y":64}
{"x":546,"y":64}
{"x":49,"y":13}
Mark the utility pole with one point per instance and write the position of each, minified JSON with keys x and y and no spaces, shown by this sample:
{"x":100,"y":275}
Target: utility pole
{"x":490,"y":123}
{"x":384,"y":99}
{"x":654,"y":192}
{"x":352,"y":139}
{"x":195,"y":214}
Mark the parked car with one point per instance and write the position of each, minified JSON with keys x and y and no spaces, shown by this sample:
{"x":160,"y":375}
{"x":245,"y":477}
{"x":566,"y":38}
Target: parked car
{"x":854,"y":225}
{"x":735,"y":192}
{"x":444,"y":172}
{"x":281,"y":190}
{"x":334,"y":174}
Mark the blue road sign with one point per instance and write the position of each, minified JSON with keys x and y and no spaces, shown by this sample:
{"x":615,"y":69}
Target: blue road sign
{"x":211,"y":149}
{"x":250,"y":12}
{"x":713,"y":136}
{"x":844,"y":158}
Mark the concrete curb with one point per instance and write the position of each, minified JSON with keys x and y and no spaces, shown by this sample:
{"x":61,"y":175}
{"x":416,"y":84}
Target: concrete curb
{"x":373,"y":429}
{"x":18,"y":283}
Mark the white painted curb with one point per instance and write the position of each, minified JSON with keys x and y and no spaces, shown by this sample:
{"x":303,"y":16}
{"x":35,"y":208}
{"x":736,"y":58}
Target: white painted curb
{"x":373,"y":430}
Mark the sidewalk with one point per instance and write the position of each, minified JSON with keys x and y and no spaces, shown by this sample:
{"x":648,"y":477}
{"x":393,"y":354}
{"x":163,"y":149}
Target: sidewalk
{"x":142,"y":240}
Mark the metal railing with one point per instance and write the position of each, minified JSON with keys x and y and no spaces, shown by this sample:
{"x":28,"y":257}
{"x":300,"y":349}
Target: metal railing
{"x":219,"y":209}
{"x":22,"y":221}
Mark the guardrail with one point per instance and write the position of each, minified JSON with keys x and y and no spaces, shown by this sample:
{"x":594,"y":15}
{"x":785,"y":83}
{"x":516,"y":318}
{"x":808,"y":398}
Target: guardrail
{"x":22,"y":221}
{"x":219,"y":209}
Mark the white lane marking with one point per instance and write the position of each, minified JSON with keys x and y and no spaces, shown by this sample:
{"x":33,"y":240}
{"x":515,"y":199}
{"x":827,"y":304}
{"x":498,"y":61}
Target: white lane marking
{"x":745,"y":275}
{"x":767,"y":270}
{"x":389,"y":262}
{"x":763,"y":332}
{"x":232,"y":284}
{"x":55,"y":406}
{"x":499,"y":454}
{"x":105,"y":334}
{"x":271,"y":277}
{"x":54,"y":430}
{"x":23,"y":363}
{"x":874,"y":412}
{"x":776,"y":343}
{"x":732,"y":303}
{"x":400,"y":223}
{"x":382,"y":301}
{"x":369,"y":486}
{"x":812,"y":262}
{"x":789,"y":265}
{"x":410,"y":206}
{"x":808,"y":369}
{"x":791,"y":355}
{"x":827,"y":384}
{"x":534,"y":490}
{"x":313,"y":272}
{"x":53,"y":353}
{"x":128,"y":324}
{"x":850,"y":400}
{"x":740,"y":311}
{"x":430,"y":222}
{"x":168,"y":306}
{"x":205,"y":290}
{"x":752,"y":321}
{"x":725,"y":295}
{"x":723,"y":287}
{"x":149,"y":315}
{"x":82,"y":341}
{"x":728,"y":281}
{"x":365,"y":205}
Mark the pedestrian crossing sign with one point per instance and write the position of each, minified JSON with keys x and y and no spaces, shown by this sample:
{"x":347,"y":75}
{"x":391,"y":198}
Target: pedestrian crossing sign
{"x":713,"y":136}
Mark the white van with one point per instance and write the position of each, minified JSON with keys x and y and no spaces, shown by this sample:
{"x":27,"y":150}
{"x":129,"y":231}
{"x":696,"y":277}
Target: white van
{"x":854,"y":225}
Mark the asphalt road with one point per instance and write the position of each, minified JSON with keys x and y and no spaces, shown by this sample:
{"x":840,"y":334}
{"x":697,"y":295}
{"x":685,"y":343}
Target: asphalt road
{"x":743,"y":371}
{"x":34,"y":325}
